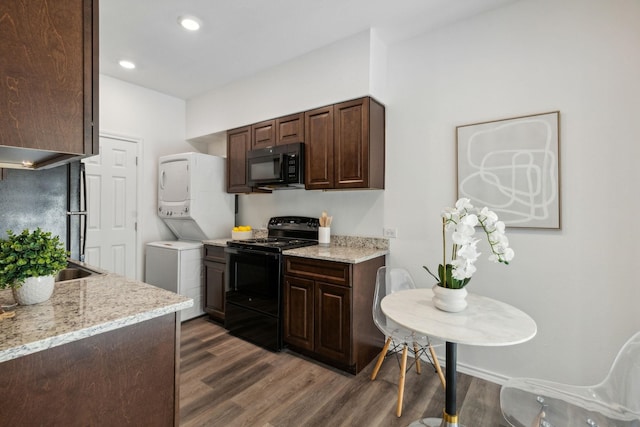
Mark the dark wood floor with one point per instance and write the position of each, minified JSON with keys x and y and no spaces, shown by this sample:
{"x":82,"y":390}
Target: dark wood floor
{"x":226,"y":381}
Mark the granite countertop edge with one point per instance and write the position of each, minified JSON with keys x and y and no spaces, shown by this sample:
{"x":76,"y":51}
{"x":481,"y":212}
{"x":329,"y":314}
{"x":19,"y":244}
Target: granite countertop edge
{"x":47,"y":343}
{"x":349,"y":249}
{"x":61,"y":320}
{"x":337,"y":253}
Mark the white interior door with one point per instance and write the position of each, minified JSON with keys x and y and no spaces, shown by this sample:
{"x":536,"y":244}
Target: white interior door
{"x":111,"y":207}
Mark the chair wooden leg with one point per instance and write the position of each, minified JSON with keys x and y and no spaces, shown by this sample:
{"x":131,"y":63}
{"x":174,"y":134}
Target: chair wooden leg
{"x":437,"y":365}
{"x":417,"y":356}
{"x":403,"y":369}
{"x":383,"y":354}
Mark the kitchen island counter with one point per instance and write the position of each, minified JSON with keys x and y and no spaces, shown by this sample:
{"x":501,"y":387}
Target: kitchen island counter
{"x":103,"y":350}
{"x":82,"y":308}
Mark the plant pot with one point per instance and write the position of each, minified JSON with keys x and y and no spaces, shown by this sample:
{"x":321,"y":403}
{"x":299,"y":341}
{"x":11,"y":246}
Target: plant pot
{"x":451,"y":300}
{"x":34,"y":290}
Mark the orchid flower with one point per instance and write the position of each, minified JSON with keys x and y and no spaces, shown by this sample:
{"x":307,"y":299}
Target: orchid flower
{"x":461,"y":222}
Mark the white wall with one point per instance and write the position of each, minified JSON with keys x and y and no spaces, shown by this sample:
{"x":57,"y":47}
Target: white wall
{"x":337,"y":72}
{"x":355,"y":213}
{"x":576,"y":56}
{"x":158,"y":121}
{"x":579,"y":57}
{"x":334,"y":73}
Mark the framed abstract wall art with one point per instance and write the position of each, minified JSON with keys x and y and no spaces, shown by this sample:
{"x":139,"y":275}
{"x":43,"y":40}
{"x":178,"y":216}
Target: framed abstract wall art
{"x":512,"y":166}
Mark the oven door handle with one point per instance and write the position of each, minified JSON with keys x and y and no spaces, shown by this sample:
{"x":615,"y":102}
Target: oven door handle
{"x":242,"y":251}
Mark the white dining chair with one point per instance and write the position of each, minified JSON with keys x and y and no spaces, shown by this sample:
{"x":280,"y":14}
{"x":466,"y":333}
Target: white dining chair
{"x":388,"y":281}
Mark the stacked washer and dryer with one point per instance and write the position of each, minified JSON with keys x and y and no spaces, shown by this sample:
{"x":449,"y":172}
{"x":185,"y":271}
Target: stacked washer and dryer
{"x":194,"y":204}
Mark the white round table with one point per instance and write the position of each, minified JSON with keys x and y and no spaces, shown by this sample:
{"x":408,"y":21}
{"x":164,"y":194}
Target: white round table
{"x":485,"y":322}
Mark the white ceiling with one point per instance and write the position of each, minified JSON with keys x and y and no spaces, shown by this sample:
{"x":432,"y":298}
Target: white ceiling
{"x":239,"y":38}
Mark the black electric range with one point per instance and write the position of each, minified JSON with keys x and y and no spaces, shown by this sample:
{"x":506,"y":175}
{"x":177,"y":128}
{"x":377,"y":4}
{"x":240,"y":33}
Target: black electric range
{"x":285,"y":232}
{"x":255,"y":271}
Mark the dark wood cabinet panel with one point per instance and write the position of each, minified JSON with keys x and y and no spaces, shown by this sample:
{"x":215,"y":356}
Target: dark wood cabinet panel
{"x":238,"y":143}
{"x":290,"y":129}
{"x":318,"y":125}
{"x":214,"y":267}
{"x":263,"y":134}
{"x":214,"y":279}
{"x":49,"y":73}
{"x":333,"y":322}
{"x":351,"y":144}
{"x":127,"y":376}
{"x":316,"y":269}
{"x":345,"y":145}
{"x":298,"y":311}
{"x":327,"y":311}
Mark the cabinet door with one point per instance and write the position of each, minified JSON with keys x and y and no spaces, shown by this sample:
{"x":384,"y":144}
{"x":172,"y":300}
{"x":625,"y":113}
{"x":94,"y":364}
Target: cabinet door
{"x":48,"y":71}
{"x":351,"y":144}
{"x":214,"y":287}
{"x":263,"y":134}
{"x":290,"y":129}
{"x":298,"y":312}
{"x":238,"y":143}
{"x":319,"y":164}
{"x":333,"y":322}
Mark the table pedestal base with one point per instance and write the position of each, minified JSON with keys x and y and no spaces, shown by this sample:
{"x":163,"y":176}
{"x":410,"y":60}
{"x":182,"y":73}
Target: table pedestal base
{"x":433,"y":422}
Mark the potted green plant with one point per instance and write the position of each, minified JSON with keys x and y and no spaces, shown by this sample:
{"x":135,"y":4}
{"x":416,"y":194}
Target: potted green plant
{"x":29,"y":262}
{"x":453,"y":276}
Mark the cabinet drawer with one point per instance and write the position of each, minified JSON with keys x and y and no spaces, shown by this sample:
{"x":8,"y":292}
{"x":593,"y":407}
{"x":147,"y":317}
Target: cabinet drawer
{"x":214,"y":253}
{"x":327,"y":271}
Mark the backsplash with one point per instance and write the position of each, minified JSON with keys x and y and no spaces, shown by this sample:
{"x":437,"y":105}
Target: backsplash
{"x":32,"y":199}
{"x":360,"y":242}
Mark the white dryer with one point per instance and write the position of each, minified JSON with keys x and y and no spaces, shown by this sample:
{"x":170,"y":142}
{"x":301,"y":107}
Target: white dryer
{"x":193,"y":202}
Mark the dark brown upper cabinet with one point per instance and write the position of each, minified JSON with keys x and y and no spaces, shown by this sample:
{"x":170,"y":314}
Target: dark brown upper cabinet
{"x":238,"y":143}
{"x":290,"y":129}
{"x":49,"y":74}
{"x":263,"y":134}
{"x":318,"y":125}
{"x":345,"y":145}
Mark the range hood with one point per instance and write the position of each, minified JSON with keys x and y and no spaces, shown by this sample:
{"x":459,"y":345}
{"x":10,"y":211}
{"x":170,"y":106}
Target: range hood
{"x":25,"y":158}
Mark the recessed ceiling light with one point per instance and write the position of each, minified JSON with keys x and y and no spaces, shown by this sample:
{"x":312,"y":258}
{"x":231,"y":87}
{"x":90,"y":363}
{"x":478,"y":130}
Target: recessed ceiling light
{"x":127,"y":64}
{"x":189,"y":23}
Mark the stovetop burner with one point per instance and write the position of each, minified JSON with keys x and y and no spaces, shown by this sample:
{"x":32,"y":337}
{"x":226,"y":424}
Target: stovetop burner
{"x":271,"y":244}
{"x":287,"y":232}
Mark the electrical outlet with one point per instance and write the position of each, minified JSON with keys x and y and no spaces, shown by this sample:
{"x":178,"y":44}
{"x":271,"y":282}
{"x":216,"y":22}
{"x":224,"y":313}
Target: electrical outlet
{"x":390,"y":233}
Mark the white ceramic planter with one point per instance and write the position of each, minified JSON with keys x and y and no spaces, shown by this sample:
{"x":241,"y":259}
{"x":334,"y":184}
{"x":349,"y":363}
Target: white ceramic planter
{"x":34,"y":290}
{"x":451,"y":300}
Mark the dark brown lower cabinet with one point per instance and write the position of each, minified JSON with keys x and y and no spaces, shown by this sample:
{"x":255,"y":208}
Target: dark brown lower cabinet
{"x":327,"y":311}
{"x":214,"y":281}
{"x":125,"y":377}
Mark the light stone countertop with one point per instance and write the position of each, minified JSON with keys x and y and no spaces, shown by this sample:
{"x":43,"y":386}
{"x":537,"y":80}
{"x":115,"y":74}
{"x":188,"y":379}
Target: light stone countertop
{"x":217,"y":242}
{"x":349,"y":249}
{"x":348,"y":254}
{"x":82,"y":308}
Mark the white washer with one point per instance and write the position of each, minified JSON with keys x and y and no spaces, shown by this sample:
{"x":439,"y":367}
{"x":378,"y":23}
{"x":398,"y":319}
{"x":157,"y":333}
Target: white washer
{"x":177,"y":267}
{"x":194,"y":204}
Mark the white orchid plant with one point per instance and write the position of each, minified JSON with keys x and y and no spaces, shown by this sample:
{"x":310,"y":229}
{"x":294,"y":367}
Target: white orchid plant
{"x":462,"y":222}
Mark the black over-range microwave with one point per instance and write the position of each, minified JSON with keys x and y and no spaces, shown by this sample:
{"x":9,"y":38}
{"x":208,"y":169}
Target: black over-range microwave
{"x":280,"y":166}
